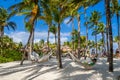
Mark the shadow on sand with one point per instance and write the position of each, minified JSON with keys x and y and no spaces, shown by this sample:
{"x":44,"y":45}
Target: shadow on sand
{"x":67,"y":73}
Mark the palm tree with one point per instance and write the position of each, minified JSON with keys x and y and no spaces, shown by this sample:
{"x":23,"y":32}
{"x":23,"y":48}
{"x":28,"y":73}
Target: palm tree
{"x":94,"y":20}
{"x":74,"y":38}
{"x":59,"y":13}
{"x":4,"y":21}
{"x":75,"y":13}
{"x":32,"y":11}
{"x":115,"y":8}
{"x":67,"y":43}
{"x":78,"y":5}
{"x":78,"y":17}
{"x":42,"y":42}
{"x":86,"y":4}
{"x":61,"y":10}
{"x":72,"y":32}
{"x":100,"y":44}
{"x":109,"y":27}
{"x":53,"y":30}
{"x":101,"y":29}
{"x":47,"y":17}
{"x":91,"y":44}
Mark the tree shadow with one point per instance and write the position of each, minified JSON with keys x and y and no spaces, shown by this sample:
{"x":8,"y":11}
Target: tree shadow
{"x":27,"y":67}
{"x":69,"y":70}
{"x":52,"y":66}
{"x":37,"y":73}
{"x":104,"y":72}
{"x":15,"y":68}
{"x":98,"y":72}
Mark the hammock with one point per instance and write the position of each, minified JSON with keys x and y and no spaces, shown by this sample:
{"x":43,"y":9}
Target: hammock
{"x":35,"y":57}
{"x":86,"y":65}
{"x":45,"y":58}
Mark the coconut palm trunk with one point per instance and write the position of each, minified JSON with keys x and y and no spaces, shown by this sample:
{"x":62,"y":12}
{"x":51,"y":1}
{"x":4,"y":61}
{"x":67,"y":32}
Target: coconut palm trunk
{"x":108,"y":20}
{"x":31,"y":37}
{"x":107,"y":35}
{"x":25,"y":48}
{"x":86,"y":24}
{"x":103,"y":37}
{"x":107,"y":42}
{"x":73,"y":35}
{"x":32,"y":21}
{"x":1,"y":31}
{"x":59,"y":51}
{"x":55,"y":39}
{"x":48,"y":37}
{"x":96,"y":43}
{"x":32,"y":41}
{"x":78,"y":36}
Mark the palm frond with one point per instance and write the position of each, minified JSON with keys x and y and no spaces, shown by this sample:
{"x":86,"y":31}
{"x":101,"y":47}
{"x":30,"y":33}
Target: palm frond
{"x":23,"y":13}
{"x":16,"y":6}
{"x":12,"y":25}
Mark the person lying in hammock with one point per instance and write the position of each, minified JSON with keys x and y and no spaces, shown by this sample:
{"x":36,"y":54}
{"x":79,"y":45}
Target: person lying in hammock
{"x":93,"y":61}
{"x":90,"y":63}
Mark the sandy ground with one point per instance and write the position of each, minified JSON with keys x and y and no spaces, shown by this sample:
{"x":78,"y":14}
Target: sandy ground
{"x":49,"y":71}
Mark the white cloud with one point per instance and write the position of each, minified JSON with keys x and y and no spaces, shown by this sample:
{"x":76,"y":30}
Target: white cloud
{"x":19,"y":36}
{"x":63,"y":39}
{"x":23,"y":36}
{"x":65,"y":34}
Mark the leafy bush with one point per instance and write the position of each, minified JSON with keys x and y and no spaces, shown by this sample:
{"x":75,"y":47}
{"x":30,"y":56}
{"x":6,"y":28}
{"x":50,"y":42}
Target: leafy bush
{"x":13,"y":54}
{"x":3,"y":59}
{"x":10,"y":55}
{"x":9,"y":50}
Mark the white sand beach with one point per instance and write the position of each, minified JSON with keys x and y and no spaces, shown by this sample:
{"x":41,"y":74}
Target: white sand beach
{"x":49,"y":71}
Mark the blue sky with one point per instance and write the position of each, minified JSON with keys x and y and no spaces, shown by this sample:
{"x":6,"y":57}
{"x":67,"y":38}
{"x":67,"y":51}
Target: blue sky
{"x":21,"y":34}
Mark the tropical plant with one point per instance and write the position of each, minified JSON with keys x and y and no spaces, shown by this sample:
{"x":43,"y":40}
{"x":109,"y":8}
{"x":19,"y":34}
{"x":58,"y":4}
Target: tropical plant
{"x":93,"y":21}
{"x":42,"y":42}
{"x":58,"y":12}
{"x":8,"y":50}
{"x":74,"y":38}
{"x":47,"y":16}
{"x":91,"y":44}
{"x":101,"y":29}
{"x":86,"y":4}
{"x":4,"y":21}
{"x":32,"y":10}
{"x":53,"y":29}
{"x":109,"y":31}
{"x":115,"y":9}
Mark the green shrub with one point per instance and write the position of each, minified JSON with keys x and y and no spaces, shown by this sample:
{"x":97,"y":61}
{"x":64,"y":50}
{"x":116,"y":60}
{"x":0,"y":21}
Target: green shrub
{"x":10,"y":55}
{"x":13,"y":54}
{"x":3,"y":59}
